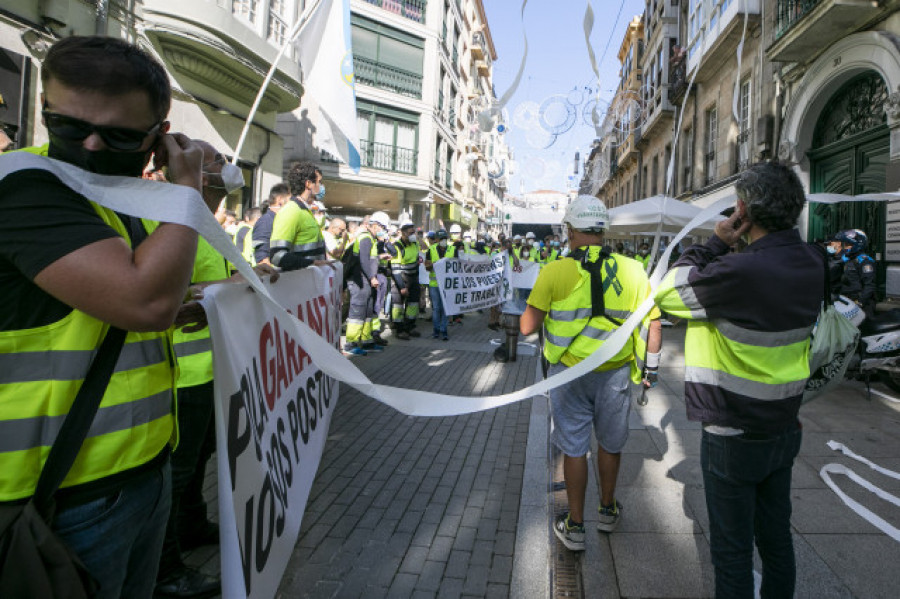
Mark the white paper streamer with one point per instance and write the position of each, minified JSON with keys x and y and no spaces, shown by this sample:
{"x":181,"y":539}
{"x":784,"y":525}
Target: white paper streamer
{"x":872,"y":518}
{"x":177,"y":204}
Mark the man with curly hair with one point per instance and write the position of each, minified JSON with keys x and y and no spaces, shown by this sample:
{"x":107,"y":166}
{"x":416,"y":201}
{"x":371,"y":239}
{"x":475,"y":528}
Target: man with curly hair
{"x":297,"y":240}
{"x":750,"y":316}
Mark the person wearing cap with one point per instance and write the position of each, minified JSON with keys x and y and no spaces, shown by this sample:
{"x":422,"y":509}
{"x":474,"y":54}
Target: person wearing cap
{"x":297,"y":240}
{"x":528,"y":252}
{"x":362,"y":280}
{"x":580,"y":301}
{"x":405,"y":291}
{"x":441,"y":249}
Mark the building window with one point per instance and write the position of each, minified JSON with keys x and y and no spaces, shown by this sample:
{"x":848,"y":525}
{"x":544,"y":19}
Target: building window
{"x":743,"y":139}
{"x":712,"y":126}
{"x":246,"y":9}
{"x":277,"y":27}
{"x":387,"y":58}
{"x":654,"y":177}
{"x":389,"y":138}
{"x":687,"y":162}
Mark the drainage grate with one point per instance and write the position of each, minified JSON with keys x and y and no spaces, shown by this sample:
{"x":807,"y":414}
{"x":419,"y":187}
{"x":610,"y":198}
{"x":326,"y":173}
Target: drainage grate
{"x":565,"y":580}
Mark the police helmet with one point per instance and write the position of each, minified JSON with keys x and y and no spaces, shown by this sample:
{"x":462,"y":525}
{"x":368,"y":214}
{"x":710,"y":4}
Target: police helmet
{"x":855,"y":238}
{"x":442,"y":234}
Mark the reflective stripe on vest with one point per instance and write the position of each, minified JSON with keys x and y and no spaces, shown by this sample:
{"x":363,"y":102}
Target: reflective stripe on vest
{"x":406,"y":259}
{"x":572,"y":334}
{"x":763,"y":365}
{"x":134,"y":421}
{"x":295,"y":229}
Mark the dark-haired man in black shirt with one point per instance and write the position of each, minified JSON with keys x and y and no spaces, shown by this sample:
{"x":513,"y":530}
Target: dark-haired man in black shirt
{"x":69,"y":269}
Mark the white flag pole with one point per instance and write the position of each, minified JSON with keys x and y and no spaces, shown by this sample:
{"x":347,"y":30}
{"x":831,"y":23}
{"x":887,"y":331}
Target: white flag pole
{"x":295,"y":31}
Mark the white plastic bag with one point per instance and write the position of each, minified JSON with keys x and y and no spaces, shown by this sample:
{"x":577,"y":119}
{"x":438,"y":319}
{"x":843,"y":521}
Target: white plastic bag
{"x":850,"y":310}
{"x":833,"y":344}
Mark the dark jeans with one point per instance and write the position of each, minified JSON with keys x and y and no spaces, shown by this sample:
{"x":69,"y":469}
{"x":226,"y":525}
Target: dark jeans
{"x":196,"y":443}
{"x":748,"y":496}
{"x":119,"y":538}
{"x":438,"y":315}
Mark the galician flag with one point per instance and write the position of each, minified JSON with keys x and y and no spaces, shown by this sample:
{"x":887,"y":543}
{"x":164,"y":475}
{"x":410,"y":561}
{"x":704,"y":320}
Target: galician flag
{"x":326,"y":57}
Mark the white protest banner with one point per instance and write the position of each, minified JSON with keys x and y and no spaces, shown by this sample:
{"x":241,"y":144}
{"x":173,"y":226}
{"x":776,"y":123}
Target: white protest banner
{"x":273,"y":409}
{"x":523,"y":276}
{"x":472,"y":281}
{"x":424,"y":275}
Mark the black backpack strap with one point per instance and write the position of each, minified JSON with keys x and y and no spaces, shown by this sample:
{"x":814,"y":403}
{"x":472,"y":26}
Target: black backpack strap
{"x":598,"y":289}
{"x":78,"y":421}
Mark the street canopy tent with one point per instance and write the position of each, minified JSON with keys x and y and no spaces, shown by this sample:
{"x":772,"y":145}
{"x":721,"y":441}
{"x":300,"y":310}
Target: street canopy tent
{"x":657,"y":214}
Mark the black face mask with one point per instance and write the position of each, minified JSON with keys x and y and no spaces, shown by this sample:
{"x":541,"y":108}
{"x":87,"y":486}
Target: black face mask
{"x":101,"y":162}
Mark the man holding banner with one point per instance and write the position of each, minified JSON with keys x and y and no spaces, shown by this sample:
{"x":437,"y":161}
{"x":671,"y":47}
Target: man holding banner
{"x":581,"y":300}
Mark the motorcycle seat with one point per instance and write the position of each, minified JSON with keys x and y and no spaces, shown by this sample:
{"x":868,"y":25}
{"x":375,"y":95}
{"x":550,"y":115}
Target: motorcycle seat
{"x":883,"y":322}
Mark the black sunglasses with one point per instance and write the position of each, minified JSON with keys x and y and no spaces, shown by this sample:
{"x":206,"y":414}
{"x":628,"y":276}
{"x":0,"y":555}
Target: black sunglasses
{"x":117,"y":138}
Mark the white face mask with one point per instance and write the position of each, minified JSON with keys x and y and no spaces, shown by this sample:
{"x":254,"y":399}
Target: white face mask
{"x":412,"y":238}
{"x":442,"y":243}
{"x":232,"y":178}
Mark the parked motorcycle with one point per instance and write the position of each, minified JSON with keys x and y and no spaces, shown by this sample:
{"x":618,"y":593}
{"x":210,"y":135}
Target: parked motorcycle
{"x":878,"y":352}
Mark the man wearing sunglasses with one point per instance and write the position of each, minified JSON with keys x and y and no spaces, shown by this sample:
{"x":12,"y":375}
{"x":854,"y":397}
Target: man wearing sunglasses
{"x":68,"y":270}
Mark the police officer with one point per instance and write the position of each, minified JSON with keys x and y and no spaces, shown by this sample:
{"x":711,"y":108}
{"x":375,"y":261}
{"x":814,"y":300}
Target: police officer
{"x":858,"y":276}
{"x":297,"y":240}
{"x":405,"y":291}
{"x":580,"y":300}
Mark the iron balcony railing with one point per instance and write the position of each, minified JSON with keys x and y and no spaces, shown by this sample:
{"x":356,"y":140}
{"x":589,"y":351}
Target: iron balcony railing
{"x":370,"y":72}
{"x":385,"y":157}
{"x":790,"y":12}
{"x":743,"y":153}
{"x":411,"y":9}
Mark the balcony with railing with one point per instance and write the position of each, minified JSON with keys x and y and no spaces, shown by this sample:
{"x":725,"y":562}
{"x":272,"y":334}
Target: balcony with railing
{"x":387,"y":157}
{"x":413,"y":10}
{"x":678,"y":81}
{"x":479,"y":45}
{"x":375,"y":74}
{"x":803,"y":28}
{"x":715,"y":31}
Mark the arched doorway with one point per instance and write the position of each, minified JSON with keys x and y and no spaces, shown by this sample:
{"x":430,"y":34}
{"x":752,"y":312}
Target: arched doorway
{"x":849,"y":154}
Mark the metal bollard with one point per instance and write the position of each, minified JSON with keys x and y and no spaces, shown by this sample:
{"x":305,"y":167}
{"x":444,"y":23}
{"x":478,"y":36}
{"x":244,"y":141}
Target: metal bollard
{"x":511,"y":324}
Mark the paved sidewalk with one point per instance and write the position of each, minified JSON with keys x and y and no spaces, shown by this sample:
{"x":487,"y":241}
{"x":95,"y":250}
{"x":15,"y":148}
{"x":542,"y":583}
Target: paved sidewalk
{"x":462,"y":507}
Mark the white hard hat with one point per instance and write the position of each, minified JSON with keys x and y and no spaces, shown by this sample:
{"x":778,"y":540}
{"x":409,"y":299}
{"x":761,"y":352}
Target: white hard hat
{"x":587,"y":213}
{"x":318,"y":206}
{"x":381,"y":218}
{"x":455,"y":229}
{"x":517,"y":237}
{"x":407,"y":223}
{"x":529,"y":235}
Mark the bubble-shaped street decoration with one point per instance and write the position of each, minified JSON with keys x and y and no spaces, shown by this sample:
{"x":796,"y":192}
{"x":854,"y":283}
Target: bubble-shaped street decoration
{"x":575,"y":97}
{"x":526,"y":115}
{"x":496,"y":169}
{"x":557,"y":115}
{"x":539,"y":138}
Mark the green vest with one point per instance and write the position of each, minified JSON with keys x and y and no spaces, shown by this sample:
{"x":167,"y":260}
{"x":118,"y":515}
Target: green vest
{"x":434,"y":257}
{"x":405,"y":259}
{"x":43,"y":368}
{"x":762,"y":365}
{"x":244,"y":242}
{"x":295,"y":230}
{"x":193,"y":351}
{"x":572,"y":334}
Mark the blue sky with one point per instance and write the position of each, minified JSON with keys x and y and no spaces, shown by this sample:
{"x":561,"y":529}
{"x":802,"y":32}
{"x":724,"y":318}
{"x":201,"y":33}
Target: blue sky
{"x":558,"y":65}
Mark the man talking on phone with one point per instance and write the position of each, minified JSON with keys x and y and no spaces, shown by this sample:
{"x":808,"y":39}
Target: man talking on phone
{"x":69,"y":270}
{"x":750,"y":316}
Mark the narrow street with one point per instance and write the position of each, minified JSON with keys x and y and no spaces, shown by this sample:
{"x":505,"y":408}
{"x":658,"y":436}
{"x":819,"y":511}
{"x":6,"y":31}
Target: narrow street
{"x":461,"y":507}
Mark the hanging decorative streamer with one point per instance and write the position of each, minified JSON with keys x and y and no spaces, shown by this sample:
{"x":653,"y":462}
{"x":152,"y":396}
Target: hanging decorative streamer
{"x":301,"y":22}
